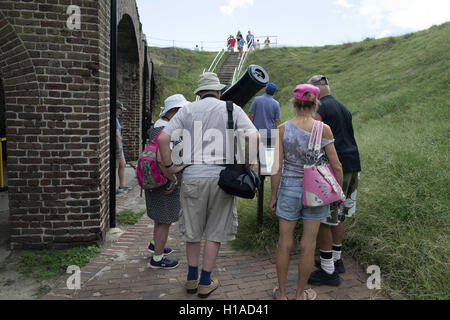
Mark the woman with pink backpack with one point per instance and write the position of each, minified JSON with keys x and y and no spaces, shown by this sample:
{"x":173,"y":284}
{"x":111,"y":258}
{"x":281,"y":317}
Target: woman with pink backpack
{"x":305,"y":146}
{"x":163,"y":203}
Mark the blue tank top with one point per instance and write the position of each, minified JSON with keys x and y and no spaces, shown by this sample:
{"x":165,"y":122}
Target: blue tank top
{"x":295,"y":147}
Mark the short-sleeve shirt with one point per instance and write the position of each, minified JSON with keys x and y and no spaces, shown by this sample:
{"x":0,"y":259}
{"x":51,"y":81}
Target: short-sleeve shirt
{"x":119,"y":127}
{"x":339,"y":118}
{"x":266,"y":110}
{"x":206,"y":123}
{"x":295,"y":148}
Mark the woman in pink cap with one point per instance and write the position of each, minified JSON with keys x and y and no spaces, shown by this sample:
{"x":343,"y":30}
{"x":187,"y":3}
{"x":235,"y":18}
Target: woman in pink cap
{"x":287,"y":203}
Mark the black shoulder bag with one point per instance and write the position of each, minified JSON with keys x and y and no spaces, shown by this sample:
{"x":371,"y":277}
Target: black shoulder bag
{"x":238,"y":179}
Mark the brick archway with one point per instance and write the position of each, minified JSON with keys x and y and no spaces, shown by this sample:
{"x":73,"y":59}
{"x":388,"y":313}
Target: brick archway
{"x":128,"y":87}
{"x":54,"y":97}
{"x":57,"y":106}
{"x":22,"y":125}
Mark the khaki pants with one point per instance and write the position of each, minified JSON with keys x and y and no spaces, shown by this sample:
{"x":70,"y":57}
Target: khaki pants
{"x":207,"y":209}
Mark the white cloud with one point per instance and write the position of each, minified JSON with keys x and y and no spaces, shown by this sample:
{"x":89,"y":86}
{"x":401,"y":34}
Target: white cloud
{"x":406,"y":14}
{"x":343,"y":3}
{"x":234,"y":4}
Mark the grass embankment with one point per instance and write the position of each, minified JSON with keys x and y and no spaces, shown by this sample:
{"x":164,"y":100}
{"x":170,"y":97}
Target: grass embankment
{"x":398,"y":92}
{"x":397,"y":89}
{"x":191,"y":64}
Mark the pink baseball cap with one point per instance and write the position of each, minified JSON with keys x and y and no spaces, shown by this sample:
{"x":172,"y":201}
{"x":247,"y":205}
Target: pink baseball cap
{"x":301,"y":90}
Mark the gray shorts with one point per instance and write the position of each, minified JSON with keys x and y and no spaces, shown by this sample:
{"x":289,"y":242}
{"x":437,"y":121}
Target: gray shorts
{"x":207,"y":209}
{"x":348,"y":208}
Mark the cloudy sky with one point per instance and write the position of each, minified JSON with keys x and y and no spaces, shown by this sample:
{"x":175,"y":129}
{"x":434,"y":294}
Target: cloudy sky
{"x":295,"y":22}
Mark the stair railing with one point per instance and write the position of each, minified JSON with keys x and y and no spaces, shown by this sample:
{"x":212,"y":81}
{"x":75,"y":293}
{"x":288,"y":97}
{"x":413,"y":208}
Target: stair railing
{"x":237,"y":71}
{"x":216,"y":61}
{"x":214,"y":64}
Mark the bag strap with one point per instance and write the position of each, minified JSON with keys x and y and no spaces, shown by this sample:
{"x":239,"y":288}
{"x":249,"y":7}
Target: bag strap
{"x":312,"y":139}
{"x":230,"y":125}
{"x":315,"y":141}
{"x":230,"y":108}
{"x":318,"y":144}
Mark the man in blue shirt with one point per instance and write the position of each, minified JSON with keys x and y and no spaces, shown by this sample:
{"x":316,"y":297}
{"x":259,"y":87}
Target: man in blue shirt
{"x":265,"y":113}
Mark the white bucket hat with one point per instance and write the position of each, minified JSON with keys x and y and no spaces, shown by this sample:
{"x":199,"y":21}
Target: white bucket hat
{"x":209,"y":82}
{"x":175,"y":101}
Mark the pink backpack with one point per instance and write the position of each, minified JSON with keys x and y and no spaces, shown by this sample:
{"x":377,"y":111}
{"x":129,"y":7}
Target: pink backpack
{"x":320,"y":186}
{"x":149,"y":174}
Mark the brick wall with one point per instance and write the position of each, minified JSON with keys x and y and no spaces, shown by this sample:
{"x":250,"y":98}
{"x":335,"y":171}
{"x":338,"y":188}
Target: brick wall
{"x":129,"y":75}
{"x":56,"y":84}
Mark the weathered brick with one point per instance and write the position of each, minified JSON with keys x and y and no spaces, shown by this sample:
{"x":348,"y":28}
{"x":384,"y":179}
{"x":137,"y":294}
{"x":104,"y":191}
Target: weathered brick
{"x":56,"y":84}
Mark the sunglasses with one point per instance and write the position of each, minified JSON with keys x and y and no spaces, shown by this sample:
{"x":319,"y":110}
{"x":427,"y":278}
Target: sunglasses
{"x":322,"y":81}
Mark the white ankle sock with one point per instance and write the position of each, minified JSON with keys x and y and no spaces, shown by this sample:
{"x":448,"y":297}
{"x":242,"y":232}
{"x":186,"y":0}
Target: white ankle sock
{"x":337,"y":252}
{"x":327,"y":263}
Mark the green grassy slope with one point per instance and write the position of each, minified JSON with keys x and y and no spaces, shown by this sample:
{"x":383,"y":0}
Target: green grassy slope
{"x":191,"y":63}
{"x":398,"y":92}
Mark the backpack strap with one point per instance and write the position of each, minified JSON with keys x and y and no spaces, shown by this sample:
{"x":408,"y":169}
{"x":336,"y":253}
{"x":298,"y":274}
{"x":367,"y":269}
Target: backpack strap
{"x":157,"y":136}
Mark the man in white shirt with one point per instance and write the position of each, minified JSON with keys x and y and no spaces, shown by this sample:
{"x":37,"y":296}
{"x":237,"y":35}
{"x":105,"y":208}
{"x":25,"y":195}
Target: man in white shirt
{"x":206,"y":208}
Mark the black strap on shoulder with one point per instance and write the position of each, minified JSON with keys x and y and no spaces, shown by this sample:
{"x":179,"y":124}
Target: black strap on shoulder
{"x":230,"y":108}
{"x":230,"y":125}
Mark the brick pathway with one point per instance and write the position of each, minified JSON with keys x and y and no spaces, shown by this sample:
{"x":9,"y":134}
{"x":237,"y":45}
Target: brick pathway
{"x":121,"y":273}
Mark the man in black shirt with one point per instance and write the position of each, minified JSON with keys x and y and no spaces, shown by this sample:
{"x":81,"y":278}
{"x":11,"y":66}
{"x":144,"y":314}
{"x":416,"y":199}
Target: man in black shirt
{"x":331,"y":234}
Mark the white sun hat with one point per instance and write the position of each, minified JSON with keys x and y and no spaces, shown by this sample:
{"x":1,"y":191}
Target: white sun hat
{"x":175,"y":101}
{"x":209,"y":81}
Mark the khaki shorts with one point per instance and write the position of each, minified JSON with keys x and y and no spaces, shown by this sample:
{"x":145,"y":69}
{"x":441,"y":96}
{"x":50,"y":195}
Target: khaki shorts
{"x":207,"y":209}
{"x":348,"y":208}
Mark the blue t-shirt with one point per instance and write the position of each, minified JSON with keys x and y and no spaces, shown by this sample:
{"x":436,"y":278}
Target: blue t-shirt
{"x":119,"y":127}
{"x":266,"y":110}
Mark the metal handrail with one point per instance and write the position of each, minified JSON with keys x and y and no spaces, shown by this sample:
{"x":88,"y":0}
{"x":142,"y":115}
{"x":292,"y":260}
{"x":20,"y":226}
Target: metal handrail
{"x":216,"y":61}
{"x":238,"y":70}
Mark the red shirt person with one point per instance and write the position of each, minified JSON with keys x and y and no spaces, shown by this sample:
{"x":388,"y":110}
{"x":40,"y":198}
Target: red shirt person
{"x":232,"y":43}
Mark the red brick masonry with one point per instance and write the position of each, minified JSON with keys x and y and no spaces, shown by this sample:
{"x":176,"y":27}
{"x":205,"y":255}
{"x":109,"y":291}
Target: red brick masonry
{"x":121,"y":273}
